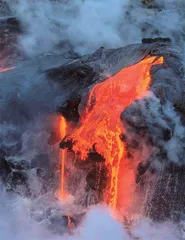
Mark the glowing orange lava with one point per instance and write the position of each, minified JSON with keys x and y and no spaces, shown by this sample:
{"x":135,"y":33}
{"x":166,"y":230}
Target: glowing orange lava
{"x":101,"y":125}
{"x":63,"y":128}
{"x":6,"y":69}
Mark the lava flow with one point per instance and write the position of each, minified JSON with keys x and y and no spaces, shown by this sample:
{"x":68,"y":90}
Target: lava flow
{"x":63,"y":126}
{"x":100,"y":125}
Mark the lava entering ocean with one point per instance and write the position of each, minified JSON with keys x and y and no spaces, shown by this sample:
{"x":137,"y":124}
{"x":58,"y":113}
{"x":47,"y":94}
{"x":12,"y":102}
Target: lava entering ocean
{"x":100,"y":126}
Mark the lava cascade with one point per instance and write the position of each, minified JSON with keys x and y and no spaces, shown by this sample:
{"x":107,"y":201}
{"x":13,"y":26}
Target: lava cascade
{"x":100,"y":125}
{"x":63,"y":129}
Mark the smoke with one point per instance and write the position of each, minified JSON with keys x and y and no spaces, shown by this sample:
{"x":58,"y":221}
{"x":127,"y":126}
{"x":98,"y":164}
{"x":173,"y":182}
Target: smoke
{"x":15,"y":223}
{"x":86,"y":25}
{"x":163,"y":127}
{"x":146,"y":229}
{"x":105,"y":228}
{"x":90,"y":24}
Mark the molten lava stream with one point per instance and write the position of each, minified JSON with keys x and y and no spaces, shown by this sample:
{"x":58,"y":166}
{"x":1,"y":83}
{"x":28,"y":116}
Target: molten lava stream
{"x":101,"y":125}
{"x":63,"y":154}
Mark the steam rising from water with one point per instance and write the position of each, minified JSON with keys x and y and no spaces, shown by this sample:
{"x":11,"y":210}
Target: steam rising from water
{"x":90,"y":24}
{"x":15,"y":223}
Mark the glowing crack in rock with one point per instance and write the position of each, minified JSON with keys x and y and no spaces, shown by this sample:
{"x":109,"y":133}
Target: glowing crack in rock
{"x":6,"y":69}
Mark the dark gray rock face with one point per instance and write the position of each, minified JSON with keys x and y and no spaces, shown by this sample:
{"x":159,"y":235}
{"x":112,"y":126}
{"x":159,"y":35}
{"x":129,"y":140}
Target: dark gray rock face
{"x":4,"y":166}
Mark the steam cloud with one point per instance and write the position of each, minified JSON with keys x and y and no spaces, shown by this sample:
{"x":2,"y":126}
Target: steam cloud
{"x":90,"y":24}
{"x":15,"y":223}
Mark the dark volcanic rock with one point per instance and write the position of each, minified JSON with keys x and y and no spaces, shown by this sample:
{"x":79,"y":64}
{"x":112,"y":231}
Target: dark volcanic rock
{"x":70,"y":109}
{"x":10,"y":30}
{"x":4,"y":166}
{"x":154,"y":40}
{"x":168,"y":198}
{"x":97,"y":178}
{"x":19,"y":177}
{"x":10,"y":24}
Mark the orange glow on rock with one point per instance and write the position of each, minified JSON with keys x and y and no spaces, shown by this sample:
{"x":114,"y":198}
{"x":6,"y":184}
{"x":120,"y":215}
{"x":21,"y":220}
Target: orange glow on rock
{"x":6,"y":69}
{"x":100,"y":125}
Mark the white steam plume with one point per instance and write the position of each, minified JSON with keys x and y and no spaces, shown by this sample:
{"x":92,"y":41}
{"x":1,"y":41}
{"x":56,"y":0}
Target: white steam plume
{"x":15,"y":223}
{"x":90,"y":24}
